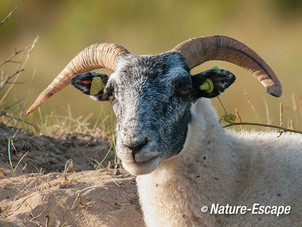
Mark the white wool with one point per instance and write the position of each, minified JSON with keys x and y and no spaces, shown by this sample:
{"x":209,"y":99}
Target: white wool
{"x":225,"y":167}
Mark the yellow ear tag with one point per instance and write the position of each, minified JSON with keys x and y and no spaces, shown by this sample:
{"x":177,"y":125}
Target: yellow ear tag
{"x":97,"y":85}
{"x":207,"y":86}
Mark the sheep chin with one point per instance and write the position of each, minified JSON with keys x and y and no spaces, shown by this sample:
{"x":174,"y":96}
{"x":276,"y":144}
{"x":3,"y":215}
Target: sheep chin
{"x":141,"y":168}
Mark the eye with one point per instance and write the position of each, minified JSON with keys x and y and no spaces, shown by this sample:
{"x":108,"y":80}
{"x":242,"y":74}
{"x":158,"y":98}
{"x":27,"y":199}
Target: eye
{"x":183,"y":89}
{"x":182,"y":85}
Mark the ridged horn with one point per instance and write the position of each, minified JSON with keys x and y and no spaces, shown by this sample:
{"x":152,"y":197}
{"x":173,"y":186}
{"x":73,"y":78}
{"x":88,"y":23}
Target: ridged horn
{"x":96,"y":56}
{"x":199,"y":50}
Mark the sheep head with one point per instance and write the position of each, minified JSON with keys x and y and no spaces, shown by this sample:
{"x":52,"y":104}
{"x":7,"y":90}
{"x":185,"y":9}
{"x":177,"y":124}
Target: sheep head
{"x":152,"y":94}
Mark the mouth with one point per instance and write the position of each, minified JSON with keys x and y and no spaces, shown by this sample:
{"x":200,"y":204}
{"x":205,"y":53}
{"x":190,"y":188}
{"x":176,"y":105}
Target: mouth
{"x":143,"y":167}
{"x":143,"y":156}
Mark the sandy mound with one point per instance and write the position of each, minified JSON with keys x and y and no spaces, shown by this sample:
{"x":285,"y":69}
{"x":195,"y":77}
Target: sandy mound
{"x":41,"y":193}
{"x":50,"y":153}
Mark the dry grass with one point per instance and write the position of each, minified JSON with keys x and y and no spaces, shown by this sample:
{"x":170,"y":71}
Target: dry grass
{"x":13,"y":114}
{"x":293,"y":125}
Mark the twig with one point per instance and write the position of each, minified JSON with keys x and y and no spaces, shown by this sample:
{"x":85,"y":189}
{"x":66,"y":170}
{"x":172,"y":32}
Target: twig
{"x":238,"y":118}
{"x":251,"y":105}
{"x":264,"y":125}
{"x":9,"y":157}
{"x":4,"y":111}
{"x":222,"y":106}
{"x":268,"y":120}
{"x":5,"y":81}
{"x":281,"y":114}
{"x":29,"y":185}
{"x":21,"y":66}
{"x":9,"y":59}
{"x":8,"y":16}
{"x":20,"y":120}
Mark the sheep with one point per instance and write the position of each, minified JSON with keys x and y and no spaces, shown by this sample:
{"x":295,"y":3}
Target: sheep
{"x":169,"y":136}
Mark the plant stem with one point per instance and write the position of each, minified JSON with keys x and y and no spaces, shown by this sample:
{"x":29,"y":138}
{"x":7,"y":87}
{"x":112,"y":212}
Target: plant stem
{"x":263,"y":125}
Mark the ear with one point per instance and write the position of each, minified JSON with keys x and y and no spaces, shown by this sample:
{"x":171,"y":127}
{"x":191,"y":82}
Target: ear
{"x":92,"y":84}
{"x":211,"y":83}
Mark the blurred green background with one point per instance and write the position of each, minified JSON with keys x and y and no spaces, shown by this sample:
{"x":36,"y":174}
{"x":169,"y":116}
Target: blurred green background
{"x":273,"y":28}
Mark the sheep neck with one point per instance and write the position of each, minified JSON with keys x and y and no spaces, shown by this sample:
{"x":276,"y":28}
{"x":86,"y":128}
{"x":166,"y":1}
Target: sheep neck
{"x":206,"y":164}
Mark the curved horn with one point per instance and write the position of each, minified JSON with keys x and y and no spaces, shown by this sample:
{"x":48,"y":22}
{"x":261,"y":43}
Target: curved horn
{"x":96,"y":56}
{"x":199,"y":50}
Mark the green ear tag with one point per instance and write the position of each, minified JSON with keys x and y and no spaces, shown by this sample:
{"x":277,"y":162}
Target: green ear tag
{"x":207,"y":86}
{"x":97,"y":85}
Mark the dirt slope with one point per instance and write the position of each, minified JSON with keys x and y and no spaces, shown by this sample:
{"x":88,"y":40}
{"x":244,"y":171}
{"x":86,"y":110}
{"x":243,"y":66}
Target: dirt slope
{"x":42,"y":194}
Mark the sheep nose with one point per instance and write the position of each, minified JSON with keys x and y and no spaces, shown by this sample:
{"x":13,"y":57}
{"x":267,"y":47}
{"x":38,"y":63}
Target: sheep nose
{"x":135,"y":144}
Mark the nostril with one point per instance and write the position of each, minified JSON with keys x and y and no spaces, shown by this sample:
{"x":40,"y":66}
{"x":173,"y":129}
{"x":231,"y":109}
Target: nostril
{"x":139,"y":145}
{"x":135,"y":146}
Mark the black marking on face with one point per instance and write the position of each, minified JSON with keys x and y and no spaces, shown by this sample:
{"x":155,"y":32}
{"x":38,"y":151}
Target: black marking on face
{"x":148,"y":102}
